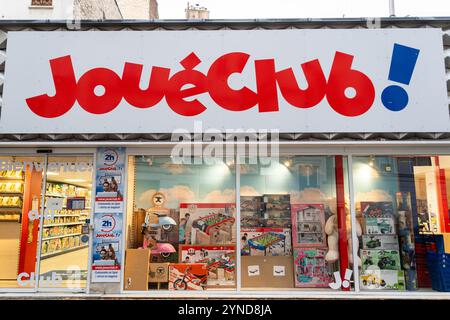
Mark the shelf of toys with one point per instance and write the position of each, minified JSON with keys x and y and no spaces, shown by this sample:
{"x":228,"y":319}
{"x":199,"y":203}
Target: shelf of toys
{"x":62,"y":230}
{"x":11,"y":195}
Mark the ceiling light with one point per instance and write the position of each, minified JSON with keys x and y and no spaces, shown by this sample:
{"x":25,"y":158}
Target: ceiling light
{"x":372,"y":161}
{"x":287,"y":163}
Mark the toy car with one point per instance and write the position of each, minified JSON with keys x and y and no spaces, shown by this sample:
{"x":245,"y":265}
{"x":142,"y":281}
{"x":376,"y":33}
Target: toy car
{"x":386,"y":262}
{"x":385,"y":227}
{"x":373,"y":243}
{"x":368,"y":261}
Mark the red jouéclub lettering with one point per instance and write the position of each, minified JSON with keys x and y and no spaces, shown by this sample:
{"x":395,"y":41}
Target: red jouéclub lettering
{"x":181,"y":88}
{"x":342,"y":77}
{"x":99,"y":104}
{"x":143,"y":98}
{"x":218,"y":88}
{"x":65,"y":86}
{"x":176,"y":93}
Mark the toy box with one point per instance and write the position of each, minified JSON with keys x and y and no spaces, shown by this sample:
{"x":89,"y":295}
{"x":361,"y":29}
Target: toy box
{"x":252,"y":212}
{"x":188,"y":276}
{"x":158,"y":272}
{"x":277,"y":210}
{"x":308,"y":222}
{"x":207,"y":223}
{"x":310,"y":268}
{"x":382,"y":280}
{"x":380,"y":259}
{"x":220,"y":262}
{"x":266,"y":242}
{"x":377,"y":209}
{"x":380,"y":242}
{"x":379,"y":225}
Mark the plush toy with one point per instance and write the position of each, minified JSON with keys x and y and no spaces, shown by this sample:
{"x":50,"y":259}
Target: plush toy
{"x":331,"y":229}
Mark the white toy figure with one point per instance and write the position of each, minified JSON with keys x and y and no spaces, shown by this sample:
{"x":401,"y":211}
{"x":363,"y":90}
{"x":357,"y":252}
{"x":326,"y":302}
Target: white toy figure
{"x":331,"y":229}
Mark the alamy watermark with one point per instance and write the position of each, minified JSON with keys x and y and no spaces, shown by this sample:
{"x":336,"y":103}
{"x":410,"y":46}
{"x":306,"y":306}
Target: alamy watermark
{"x":211,"y":146}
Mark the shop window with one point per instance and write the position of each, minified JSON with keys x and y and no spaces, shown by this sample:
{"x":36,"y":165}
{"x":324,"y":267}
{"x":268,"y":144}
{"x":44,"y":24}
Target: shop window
{"x":401,"y":202}
{"x":181,"y":225}
{"x":295,"y":225}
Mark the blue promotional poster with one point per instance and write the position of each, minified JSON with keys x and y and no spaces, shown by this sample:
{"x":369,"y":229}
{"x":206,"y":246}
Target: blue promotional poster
{"x":109,"y":185}
{"x":108,"y":215}
{"x":106,"y":247}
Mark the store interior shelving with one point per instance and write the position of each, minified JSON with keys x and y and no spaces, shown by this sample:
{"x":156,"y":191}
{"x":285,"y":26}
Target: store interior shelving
{"x":62,"y":228}
{"x":11,"y":195}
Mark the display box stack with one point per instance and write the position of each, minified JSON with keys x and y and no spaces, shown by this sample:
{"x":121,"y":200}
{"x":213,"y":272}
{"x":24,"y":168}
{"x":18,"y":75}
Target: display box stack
{"x":266,"y":241}
{"x":310,"y":248}
{"x":380,"y":255}
{"x":266,"y":226}
{"x":207,"y":250}
{"x":220,"y":262}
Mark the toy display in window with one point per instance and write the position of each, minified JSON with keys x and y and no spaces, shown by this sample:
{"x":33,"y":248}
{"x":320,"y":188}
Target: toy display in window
{"x":308,"y":225}
{"x":382,"y":279}
{"x":252,"y":212}
{"x":268,"y":210}
{"x":188,"y":276}
{"x":220,"y":262}
{"x":381,"y":267}
{"x":207,"y":223}
{"x":277,"y":210}
{"x":310,"y":268}
{"x":382,"y":259}
{"x":332,"y":231}
{"x":266,"y":242}
{"x":155,"y":229}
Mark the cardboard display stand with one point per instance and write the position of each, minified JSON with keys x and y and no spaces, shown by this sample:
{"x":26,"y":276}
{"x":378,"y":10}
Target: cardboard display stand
{"x":136,"y":269}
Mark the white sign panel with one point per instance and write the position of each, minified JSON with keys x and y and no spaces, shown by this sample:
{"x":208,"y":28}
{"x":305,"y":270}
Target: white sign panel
{"x":365,"y":80}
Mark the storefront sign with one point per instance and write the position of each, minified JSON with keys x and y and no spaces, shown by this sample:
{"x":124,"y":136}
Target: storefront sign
{"x":108,"y":214}
{"x":383,"y":80}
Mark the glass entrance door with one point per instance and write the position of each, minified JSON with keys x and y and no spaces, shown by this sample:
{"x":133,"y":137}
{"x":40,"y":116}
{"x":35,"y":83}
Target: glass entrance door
{"x":64,"y":246}
{"x":21,"y":179}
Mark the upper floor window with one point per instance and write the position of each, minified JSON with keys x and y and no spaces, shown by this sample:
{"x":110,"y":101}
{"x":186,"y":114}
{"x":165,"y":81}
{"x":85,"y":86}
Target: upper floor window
{"x":41,"y":2}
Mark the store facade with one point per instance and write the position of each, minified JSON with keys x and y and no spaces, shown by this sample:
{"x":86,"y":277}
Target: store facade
{"x":278,"y":158}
